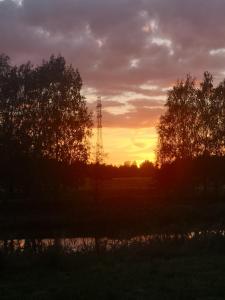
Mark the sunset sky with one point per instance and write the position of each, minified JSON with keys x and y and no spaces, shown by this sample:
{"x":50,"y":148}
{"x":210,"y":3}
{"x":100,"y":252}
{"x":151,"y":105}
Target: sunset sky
{"x":129,"y":52}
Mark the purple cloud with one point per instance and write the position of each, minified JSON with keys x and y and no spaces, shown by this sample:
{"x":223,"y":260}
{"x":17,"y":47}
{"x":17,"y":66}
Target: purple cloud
{"x":120,"y":46}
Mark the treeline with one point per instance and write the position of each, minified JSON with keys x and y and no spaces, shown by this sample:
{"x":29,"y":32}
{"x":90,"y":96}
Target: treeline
{"x":128,"y":169}
{"x":44,"y":125}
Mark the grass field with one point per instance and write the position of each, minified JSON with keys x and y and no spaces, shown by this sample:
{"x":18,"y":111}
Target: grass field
{"x":138,"y":274}
{"x":123,"y":205}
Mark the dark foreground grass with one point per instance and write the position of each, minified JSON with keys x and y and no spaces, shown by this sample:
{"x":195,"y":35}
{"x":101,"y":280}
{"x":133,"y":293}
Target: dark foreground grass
{"x":176,"y":278}
{"x":137,"y":273}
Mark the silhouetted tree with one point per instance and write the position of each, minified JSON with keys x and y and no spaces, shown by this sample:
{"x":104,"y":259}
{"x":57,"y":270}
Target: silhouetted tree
{"x":193,"y":124}
{"x":62,"y":112}
{"x":192,"y":134}
{"x":176,"y":135}
{"x":43,"y":116}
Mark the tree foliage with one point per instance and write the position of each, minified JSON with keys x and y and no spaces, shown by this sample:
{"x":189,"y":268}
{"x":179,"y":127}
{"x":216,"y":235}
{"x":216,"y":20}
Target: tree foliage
{"x":42,"y":111}
{"x":194,"y":122}
{"x":44,"y":121}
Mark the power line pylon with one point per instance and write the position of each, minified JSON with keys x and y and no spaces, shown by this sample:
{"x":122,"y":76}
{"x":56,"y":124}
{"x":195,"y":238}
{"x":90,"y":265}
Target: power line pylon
{"x":99,"y":141}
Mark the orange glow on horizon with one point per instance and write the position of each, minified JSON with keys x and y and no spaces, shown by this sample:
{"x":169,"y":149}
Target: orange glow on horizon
{"x":128,"y":144}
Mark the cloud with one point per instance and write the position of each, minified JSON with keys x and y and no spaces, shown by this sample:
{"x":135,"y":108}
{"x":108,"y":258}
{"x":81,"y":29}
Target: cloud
{"x":108,"y":103}
{"x":140,"y":117}
{"x":136,"y":113}
{"x":146,"y":103}
{"x":120,"y":46}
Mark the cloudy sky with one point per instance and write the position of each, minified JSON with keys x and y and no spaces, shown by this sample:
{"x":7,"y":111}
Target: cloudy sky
{"x":130,"y":52}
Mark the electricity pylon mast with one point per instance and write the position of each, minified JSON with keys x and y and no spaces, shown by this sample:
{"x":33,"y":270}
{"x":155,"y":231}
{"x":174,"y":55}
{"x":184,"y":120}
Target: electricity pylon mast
{"x":99,"y":142}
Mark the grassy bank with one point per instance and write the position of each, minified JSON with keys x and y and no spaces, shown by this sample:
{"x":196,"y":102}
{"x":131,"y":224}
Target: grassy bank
{"x":190,"y":277}
{"x":164,"y":270}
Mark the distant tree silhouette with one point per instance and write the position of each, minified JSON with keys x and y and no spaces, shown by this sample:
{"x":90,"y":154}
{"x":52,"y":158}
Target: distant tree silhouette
{"x":147,"y":168}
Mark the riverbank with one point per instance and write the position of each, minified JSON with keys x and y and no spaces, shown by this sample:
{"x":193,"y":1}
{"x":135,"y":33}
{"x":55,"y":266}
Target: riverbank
{"x":180,"y":270}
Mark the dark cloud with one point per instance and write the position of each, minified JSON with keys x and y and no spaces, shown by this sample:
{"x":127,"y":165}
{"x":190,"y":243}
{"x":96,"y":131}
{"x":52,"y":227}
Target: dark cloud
{"x":120,"y":46}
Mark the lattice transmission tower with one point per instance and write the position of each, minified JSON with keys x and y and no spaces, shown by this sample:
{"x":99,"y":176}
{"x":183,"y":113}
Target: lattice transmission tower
{"x":99,"y":141}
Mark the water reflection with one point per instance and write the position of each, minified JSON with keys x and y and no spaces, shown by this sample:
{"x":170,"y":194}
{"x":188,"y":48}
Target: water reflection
{"x":88,"y":244}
